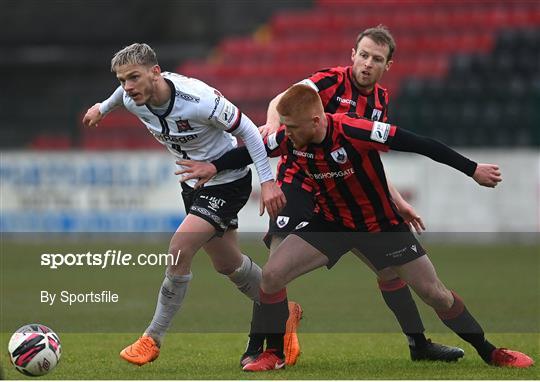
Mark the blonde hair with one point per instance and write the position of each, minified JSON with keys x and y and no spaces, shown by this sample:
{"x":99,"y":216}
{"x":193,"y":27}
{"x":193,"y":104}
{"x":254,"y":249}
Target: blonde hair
{"x":381,"y":36}
{"x":300,"y":100}
{"x":134,"y":54}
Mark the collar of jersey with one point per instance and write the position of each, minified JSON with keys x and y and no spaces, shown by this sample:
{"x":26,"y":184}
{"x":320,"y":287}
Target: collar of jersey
{"x":171,"y":101}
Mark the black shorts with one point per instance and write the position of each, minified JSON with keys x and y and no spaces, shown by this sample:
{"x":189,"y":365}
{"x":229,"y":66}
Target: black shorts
{"x":396,"y":246}
{"x":297,"y":211}
{"x":218,"y":205}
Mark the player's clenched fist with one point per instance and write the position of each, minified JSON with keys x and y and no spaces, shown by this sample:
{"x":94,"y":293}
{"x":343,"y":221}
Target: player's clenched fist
{"x":487,"y":175}
{"x":92,"y":116}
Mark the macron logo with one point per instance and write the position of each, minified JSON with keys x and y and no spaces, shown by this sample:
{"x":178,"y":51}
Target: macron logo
{"x":346,"y":101}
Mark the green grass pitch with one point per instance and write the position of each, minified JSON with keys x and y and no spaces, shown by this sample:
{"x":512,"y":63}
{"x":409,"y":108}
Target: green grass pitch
{"x":347,"y":331}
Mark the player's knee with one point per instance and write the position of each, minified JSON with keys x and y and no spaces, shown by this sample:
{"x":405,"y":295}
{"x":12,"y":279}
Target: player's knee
{"x":387,"y":274}
{"x":272,"y":280}
{"x":224,"y":269}
{"x":438,"y":297}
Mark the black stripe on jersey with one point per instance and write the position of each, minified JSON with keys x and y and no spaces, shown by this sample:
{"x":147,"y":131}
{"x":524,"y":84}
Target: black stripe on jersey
{"x":345,"y":192}
{"x":236,"y":124}
{"x":171,"y":101}
{"x":326,"y":82}
{"x":333,"y":103}
{"x":323,"y":191}
{"x":326,"y":145}
{"x":370,"y":103}
{"x":379,"y":168}
{"x":382,"y":100}
{"x":355,"y":94}
{"x":356,"y":132}
{"x":164,"y":126}
{"x":369,"y":189}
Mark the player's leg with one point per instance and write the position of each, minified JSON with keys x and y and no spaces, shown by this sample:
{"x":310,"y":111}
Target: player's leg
{"x":308,"y":248}
{"x":292,"y":258}
{"x":398,"y":298}
{"x":422,"y":277}
{"x":297,"y":211}
{"x":191,"y":235}
{"x":228,"y":260}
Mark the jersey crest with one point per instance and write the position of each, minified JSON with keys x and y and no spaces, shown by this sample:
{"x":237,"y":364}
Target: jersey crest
{"x":339,"y":155}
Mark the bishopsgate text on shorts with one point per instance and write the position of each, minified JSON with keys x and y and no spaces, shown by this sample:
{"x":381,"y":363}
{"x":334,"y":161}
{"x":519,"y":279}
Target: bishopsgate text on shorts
{"x":109,"y":258}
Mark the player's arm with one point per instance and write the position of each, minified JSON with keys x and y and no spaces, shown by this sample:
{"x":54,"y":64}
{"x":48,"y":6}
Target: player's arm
{"x":272,"y":116}
{"x":236,"y":158}
{"x":487,"y":175}
{"x":222,"y":114}
{"x":100,"y":109}
{"x":406,"y":211}
{"x":366,"y":134}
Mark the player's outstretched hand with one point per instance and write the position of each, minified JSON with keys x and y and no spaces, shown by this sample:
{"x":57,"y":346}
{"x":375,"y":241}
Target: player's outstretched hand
{"x":203,"y":171}
{"x":487,"y":175}
{"x":92,"y":116}
{"x":410,"y":216}
{"x":272,"y":198}
{"x":267,"y":129}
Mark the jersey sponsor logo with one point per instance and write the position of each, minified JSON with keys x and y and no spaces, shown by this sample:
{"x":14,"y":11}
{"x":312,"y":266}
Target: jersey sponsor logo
{"x":376,"y":115}
{"x":183,"y":125}
{"x":331,"y":174}
{"x":301,"y":225}
{"x":380,"y":131}
{"x":187,"y":97}
{"x":271,"y":141}
{"x":171,"y":139}
{"x":303,"y":154}
{"x":216,"y":104}
{"x":282,"y":221}
{"x":227,"y":113}
{"x":346,"y":101}
{"x":339,"y":155}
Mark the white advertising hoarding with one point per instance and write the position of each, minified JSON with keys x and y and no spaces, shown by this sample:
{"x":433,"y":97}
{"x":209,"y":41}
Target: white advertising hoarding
{"x":138,"y":192}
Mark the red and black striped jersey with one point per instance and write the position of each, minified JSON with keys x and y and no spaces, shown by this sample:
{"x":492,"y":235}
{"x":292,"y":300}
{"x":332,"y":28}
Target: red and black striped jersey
{"x":338,"y":95}
{"x":347,"y":171}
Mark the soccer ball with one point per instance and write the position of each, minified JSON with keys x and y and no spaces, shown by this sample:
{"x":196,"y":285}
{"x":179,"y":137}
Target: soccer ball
{"x":34,"y":350}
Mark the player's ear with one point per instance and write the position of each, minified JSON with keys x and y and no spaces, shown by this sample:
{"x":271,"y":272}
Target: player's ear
{"x":156,"y":70}
{"x":388,"y":65}
{"x":353,"y":53}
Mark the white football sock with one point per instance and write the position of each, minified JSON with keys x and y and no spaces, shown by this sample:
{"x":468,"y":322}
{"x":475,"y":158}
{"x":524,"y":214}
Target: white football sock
{"x":171,"y":295}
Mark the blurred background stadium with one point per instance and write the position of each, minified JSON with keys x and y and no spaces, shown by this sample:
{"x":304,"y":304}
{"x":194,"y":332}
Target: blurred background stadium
{"x":465,"y":72}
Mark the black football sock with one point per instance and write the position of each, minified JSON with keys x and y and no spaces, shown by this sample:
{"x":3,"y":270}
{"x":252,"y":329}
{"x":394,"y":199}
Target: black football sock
{"x":256,"y":338}
{"x":461,"y":322}
{"x":398,"y":298}
{"x":270,"y":318}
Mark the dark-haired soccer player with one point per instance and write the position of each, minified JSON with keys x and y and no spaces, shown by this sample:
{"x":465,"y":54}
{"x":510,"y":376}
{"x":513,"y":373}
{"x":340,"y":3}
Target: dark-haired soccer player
{"x":340,"y":153}
{"x":355,"y":89}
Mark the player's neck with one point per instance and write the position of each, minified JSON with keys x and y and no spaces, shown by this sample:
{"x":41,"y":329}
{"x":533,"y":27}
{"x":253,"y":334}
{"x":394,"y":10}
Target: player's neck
{"x":162,"y":93}
{"x":320,"y":132}
{"x":364,"y":90}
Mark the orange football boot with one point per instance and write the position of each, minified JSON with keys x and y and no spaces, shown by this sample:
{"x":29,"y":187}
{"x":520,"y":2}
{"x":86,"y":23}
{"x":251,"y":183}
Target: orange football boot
{"x":144,"y":350}
{"x":290,"y":340}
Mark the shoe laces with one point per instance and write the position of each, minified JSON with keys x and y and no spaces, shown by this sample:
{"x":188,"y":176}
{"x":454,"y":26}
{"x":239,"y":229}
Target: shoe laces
{"x":503,"y":355}
{"x":144,"y":343}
